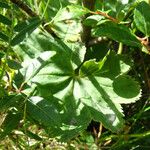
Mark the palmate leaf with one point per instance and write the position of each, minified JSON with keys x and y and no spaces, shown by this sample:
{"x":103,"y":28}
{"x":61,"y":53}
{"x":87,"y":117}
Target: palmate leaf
{"x":75,"y":97}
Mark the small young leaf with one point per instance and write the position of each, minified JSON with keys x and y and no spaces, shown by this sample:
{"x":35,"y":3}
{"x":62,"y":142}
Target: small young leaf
{"x":5,"y":20}
{"x":142,"y":17}
{"x":118,"y":32}
{"x":4,"y":37}
{"x":25,"y":31}
{"x":92,"y":20}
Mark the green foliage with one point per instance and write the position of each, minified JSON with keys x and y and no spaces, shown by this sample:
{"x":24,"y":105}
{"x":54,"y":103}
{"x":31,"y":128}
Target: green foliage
{"x":24,"y":29}
{"x":117,"y":32}
{"x":60,"y":83}
{"x":4,"y":37}
{"x":11,"y":122}
{"x":141,"y":17}
{"x":4,"y":5}
{"x":4,"y":20}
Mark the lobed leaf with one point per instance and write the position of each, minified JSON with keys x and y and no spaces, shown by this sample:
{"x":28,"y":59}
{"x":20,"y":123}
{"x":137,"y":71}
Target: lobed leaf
{"x":74,"y":98}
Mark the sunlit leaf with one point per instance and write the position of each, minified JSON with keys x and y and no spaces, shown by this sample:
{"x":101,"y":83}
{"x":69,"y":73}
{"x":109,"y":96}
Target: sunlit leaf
{"x":91,"y":91}
{"x":141,"y":17}
{"x":25,"y":29}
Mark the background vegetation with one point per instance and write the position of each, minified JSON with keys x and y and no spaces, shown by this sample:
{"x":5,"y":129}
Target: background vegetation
{"x":74,"y":74}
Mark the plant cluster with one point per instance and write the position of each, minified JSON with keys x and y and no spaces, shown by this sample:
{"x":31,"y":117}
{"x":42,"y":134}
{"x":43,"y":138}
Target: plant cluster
{"x":66,"y":63}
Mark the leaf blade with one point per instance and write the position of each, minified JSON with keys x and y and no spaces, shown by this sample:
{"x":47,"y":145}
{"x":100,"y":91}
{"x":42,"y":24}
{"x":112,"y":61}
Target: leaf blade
{"x":118,"y":32}
{"x":141,"y":17}
{"x":4,"y":37}
{"x":25,"y":31}
{"x":5,"y":20}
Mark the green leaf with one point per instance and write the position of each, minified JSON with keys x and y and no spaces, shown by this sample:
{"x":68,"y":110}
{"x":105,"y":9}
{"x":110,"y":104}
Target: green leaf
{"x":10,"y":123}
{"x":99,"y":103}
{"x":5,"y":20}
{"x":110,"y":66}
{"x":33,"y":135}
{"x":2,"y":93}
{"x":55,"y":116}
{"x":125,"y":96}
{"x":4,"y":5}
{"x":74,"y":99}
{"x":70,"y":12}
{"x":37,"y":64}
{"x":43,"y":111}
{"x":4,"y":37}
{"x":25,"y":30}
{"x":14,"y":64}
{"x":22,"y":25}
{"x":2,"y":54}
{"x":118,"y":32}
{"x":141,"y":17}
{"x":9,"y":101}
{"x":92,"y":20}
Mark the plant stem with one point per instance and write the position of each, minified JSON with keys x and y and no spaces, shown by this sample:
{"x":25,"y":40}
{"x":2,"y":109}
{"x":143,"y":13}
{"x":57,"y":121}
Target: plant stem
{"x":86,"y":34}
{"x":45,"y":9}
{"x":105,"y":15}
{"x":140,"y":135}
{"x":24,"y":7}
